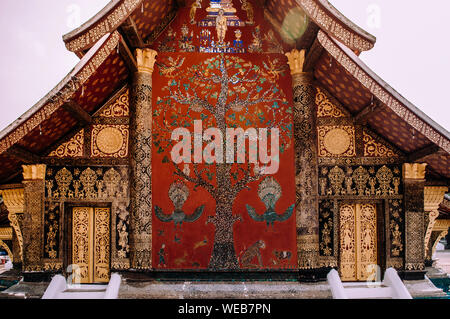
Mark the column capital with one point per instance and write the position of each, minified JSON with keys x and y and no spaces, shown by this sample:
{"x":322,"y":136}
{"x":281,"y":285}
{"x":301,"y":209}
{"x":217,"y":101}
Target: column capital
{"x":34,"y":172}
{"x":146,"y":59}
{"x":434,"y":195}
{"x":414,"y":171}
{"x":296,"y":61}
{"x":13,"y":200}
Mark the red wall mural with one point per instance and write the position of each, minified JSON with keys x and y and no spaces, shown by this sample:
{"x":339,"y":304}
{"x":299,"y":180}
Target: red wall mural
{"x":222,"y":215}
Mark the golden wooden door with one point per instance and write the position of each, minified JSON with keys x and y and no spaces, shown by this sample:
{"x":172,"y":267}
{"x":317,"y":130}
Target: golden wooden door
{"x":358,"y":241}
{"x":91,"y":244}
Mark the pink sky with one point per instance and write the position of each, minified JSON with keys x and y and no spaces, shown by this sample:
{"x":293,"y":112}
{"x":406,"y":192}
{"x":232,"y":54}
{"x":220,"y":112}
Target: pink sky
{"x":411,"y":54}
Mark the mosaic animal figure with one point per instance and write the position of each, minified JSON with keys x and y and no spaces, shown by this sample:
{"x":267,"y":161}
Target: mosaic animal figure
{"x":178,"y":194}
{"x":250,"y":254}
{"x":269,"y":192}
{"x":169,"y":69}
{"x":274,"y":69}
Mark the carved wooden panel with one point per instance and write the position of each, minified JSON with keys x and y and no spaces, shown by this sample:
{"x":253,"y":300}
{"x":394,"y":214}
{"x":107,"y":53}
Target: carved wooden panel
{"x":102,"y":245}
{"x":366,"y":232}
{"x":91,"y":244}
{"x":358,"y":241}
{"x":81,"y":243}
{"x":347,"y":241}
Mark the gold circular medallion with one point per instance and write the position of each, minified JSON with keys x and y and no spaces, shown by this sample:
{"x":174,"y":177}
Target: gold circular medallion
{"x":109,"y":140}
{"x":337,"y":141}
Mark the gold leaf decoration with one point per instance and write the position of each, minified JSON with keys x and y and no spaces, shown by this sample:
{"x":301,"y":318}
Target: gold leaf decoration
{"x":110,"y":141}
{"x":336,"y":141}
{"x":325,"y":107}
{"x":373,"y":148}
{"x":120,"y":107}
{"x":71,"y":148}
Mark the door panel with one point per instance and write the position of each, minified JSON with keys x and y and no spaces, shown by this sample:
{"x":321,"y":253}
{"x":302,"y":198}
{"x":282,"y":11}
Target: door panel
{"x":347,"y":239}
{"x":91,"y":244}
{"x":81,"y":242}
{"x":366,"y":228}
{"x":358,"y":241}
{"x":101,"y":244}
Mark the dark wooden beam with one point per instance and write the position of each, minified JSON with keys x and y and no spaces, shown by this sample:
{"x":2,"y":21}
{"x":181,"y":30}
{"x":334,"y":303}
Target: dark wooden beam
{"x":313,"y":56}
{"x":24,"y":155}
{"x":77,"y":112}
{"x":12,"y":176}
{"x":180,"y":3}
{"x":424,"y":152}
{"x":362,"y":117}
{"x":127,"y":56}
{"x":131,"y":32}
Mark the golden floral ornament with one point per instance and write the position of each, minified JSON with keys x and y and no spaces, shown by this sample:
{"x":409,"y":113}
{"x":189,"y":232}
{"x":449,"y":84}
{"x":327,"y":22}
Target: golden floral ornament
{"x":110,"y":141}
{"x":336,"y":141}
{"x":326,"y":108}
{"x":63,"y":179}
{"x":373,"y":148}
{"x":120,"y":107}
{"x":71,"y":148}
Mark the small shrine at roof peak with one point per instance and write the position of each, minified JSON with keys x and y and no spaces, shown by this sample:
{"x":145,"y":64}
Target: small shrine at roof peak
{"x":222,"y":138}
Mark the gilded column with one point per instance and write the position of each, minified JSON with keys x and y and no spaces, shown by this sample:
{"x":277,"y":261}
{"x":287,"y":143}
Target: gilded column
{"x":34,"y":196}
{"x":306,"y":162}
{"x":141,"y":161}
{"x":414,"y":190}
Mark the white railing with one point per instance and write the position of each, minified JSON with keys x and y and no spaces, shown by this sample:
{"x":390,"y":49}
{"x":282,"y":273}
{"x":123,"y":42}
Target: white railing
{"x":391,"y":288}
{"x":58,"y":289}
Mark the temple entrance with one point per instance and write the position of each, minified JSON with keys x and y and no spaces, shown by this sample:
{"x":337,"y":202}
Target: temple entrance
{"x":90,"y":245}
{"x":358,"y":241}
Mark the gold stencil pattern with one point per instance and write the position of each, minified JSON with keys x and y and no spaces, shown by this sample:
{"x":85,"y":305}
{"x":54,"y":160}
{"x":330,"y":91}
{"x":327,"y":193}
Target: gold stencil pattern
{"x":120,"y":107}
{"x":373,"y":148}
{"x":336,"y":141}
{"x":110,"y":141}
{"x":325,"y":108}
{"x":71,"y":148}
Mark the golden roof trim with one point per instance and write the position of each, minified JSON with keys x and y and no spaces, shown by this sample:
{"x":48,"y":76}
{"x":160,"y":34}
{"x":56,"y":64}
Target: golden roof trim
{"x":384,"y":93}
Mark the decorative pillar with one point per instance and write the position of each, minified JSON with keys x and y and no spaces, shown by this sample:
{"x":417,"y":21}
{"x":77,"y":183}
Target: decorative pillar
{"x":141,"y":161}
{"x":33,"y":228}
{"x":433,"y":198}
{"x":414,"y":189}
{"x":306,"y":162}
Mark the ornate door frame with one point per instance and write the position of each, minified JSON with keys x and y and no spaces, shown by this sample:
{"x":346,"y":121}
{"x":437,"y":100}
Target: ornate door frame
{"x":380,"y":207}
{"x":68,"y":234}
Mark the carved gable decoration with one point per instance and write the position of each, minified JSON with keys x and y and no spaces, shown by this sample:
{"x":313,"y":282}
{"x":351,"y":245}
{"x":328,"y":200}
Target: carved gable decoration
{"x":326,"y":107}
{"x":70,"y":149}
{"x":374,"y":147}
{"x":119,"y":106}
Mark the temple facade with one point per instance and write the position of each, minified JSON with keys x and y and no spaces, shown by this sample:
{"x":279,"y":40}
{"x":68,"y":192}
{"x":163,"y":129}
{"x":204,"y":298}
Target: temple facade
{"x":222,"y":139}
